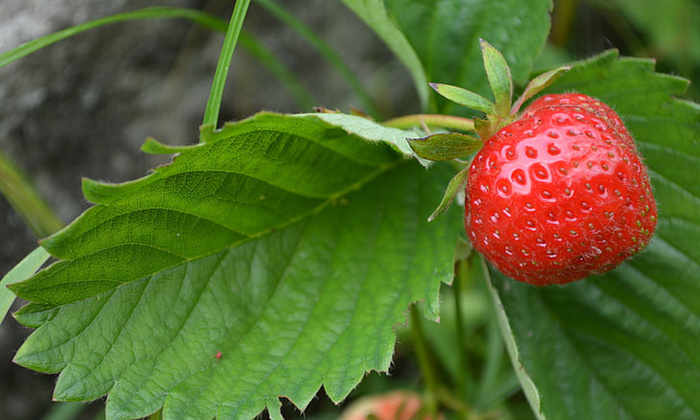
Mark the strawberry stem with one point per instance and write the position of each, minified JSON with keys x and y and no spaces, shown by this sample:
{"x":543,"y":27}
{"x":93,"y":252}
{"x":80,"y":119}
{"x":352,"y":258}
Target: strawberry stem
{"x":431,"y":120}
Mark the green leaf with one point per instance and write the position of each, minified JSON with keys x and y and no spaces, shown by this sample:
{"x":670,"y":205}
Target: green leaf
{"x":180,"y":212}
{"x":375,"y":15}
{"x":155,"y":147}
{"x":672,"y":30}
{"x":20,"y":272}
{"x":498,"y":75}
{"x":370,"y":130}
{"x":286,"y":252}
{"x":465,"y":97}
{"x":445,"y":146}
{"x":445,"y":34}
{"x":625,"y":343}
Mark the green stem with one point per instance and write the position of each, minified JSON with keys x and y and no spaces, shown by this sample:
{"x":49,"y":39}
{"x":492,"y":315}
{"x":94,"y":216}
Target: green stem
{"x":211,"y":112}
{"x":465,"y":385}
{"x":22,"y":196}
{"x":424,"y":360}
{"x":562,"y":21}
{"x":431,"y":120}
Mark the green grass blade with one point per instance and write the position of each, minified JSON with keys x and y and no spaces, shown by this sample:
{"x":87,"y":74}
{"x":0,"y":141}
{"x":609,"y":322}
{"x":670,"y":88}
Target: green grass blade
{"x":211,"y":112}
{"x":20,"y":272}
{"x":198,"y":17}
{"x":375,"y":14}
{"x":26,"y":201}
{"x":276,"y":67}
{"x":326,"y":50}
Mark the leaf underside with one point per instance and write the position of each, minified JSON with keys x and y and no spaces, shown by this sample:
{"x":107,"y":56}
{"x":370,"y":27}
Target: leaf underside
{"x":625,"y":345}
{"x":284,"y":245}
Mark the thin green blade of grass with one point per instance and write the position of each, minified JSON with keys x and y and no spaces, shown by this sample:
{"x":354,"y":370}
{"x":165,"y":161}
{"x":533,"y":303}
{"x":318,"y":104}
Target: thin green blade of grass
{"x":196,"y":16}
{"x":211,"y":112}
{"x":259,"y":51}
{"x":24,"y":198}
{"x":21,"y":271}
{"x":326,"y":50}
{"x":277,"y":68}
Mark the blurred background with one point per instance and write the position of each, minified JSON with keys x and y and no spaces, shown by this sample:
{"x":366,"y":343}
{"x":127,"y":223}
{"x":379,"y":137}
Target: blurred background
{"x":84,"y":106}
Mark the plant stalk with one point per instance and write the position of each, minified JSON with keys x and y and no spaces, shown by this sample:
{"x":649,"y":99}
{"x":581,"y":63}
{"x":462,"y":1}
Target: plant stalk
{"x":431,"y":120}
{"x":465,"y":385}
{"x":211,"y":113}
{"x":426,"y":364}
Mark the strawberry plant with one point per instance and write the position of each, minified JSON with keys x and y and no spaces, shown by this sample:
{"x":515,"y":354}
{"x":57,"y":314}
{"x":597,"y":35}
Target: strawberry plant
{"x":283,"y":261}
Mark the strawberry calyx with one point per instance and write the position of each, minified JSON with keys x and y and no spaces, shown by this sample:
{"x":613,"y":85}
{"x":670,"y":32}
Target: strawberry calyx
{"x":497,"y":114}
{"x":501,"y":111}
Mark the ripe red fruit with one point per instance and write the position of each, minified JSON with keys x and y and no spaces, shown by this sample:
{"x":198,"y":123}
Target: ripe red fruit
{"x":559,"y":194}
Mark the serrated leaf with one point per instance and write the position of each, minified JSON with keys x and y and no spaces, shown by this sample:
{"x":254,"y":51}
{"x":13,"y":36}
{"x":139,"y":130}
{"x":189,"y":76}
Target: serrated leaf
{"x":301,"y":248}
{"x":499,"y":77}
{"x":445,"y":35}
{"x":181,"y":211}
{"x":154,"y":147}
{"x":370,"y":130}
{"x":464,"y":97}
{"x":625,"y":344}
{"x":375,"y":15}
{"x":445,"y":146}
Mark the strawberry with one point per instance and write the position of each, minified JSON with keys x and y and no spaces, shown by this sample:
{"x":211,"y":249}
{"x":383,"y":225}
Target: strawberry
{"x":559,"y":194}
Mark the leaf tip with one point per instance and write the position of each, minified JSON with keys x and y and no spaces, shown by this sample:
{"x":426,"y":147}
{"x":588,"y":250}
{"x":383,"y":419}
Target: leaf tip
{"x":485,"y":45}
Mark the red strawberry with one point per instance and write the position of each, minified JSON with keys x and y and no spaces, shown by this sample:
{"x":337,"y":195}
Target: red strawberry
{"x":559,"y":194}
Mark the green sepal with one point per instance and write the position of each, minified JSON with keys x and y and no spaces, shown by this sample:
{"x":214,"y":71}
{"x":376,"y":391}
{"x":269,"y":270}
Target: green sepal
{"x":457,"y":183}
{"x":445,"y":146}
{"x":464,"y":97}
{"x":500,"y":79}
{"x":537,"y":85}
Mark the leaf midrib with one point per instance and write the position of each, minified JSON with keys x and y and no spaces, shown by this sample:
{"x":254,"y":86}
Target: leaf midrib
{"x":329,"y":200}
